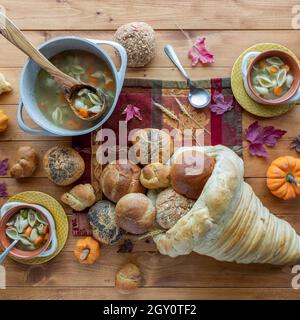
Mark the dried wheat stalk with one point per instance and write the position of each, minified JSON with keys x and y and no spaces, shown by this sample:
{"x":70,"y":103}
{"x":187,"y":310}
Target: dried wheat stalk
{"x":185,"y":112}
{"x":171,"y":115}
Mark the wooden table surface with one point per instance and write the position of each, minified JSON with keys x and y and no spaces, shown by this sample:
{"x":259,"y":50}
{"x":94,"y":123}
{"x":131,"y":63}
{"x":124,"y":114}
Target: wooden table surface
{"x":230,"y":27}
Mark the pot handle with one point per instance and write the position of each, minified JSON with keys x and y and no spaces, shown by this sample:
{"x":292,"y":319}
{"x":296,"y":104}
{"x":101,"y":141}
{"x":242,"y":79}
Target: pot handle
{"x":27,"y":129}
{"x":122,"y":55}
{"x":246,"y":58}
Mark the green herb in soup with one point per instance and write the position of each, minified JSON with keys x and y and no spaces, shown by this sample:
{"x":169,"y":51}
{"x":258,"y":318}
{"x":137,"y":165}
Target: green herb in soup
{"x":271,"y":78}
{"x":84,"y":67}
{"x":30,"y":228}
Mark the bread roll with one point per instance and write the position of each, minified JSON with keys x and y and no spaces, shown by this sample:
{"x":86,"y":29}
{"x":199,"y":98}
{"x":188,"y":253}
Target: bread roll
{"x":80,"y":197}
{"x":128,"y":277}
{"x":118,"y":179}
{"x":152,"y":145}
{"x":102,"y":218}
{"x":135,"y":213}
{"x":155,"y":176}
{"x":63,"y":165}
{"x":170,"y":207}
{"x":26,"y":163}
{"x":190,"y":172}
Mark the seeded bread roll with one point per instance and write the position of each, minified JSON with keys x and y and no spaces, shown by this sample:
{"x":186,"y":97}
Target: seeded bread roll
{"x":152,"y":145}
{"x":102,"y":218}
{"x":170,"y":207}
{"x":80,"y":197}
{"x":155,"y":176}
{"x":135,"y":213}
{"x":118,"y":179}
{"x":63,"y":165}
{"x":190,"y":172}
{"x":138,"y":39}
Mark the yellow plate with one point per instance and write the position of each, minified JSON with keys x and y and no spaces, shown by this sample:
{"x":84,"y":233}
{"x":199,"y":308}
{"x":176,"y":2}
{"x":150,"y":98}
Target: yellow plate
{"x":59,"y":216}
{"x":240,"y":93}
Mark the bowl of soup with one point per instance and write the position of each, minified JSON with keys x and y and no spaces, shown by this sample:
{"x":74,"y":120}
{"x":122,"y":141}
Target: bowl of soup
{"x":272,"y":77}
{"x":30,"y":227}
{"x":82,"y":59}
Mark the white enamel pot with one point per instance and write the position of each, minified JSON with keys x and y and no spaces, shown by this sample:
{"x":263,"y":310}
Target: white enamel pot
{"x":31,"y":70}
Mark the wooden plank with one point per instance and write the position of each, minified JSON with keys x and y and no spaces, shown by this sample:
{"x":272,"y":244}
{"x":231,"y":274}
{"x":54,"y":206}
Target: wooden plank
{"x":100,"y":293}
{"x":274,"y":204}
{"x":227,"y":45}
{"x":14,"y":133}
{"x":288,"y":121}
{"x":192,"y":14}
{"x":257,"y":167}
{"x":28,"y":184}
{"x":193,"y":270}
{"x":41,"y":147}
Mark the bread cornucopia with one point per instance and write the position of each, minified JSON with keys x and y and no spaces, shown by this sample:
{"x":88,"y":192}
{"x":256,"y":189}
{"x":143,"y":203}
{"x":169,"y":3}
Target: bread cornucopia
{"x":228,"y":221}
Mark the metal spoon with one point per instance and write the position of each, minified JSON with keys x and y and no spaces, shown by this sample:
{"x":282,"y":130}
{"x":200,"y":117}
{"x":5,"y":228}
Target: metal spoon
{"x":7,"y":251}
{"x":71,"y":86}
{"x":198,"y":97}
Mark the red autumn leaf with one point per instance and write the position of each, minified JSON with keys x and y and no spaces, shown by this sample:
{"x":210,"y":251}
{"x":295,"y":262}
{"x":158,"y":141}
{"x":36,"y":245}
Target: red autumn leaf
{"x":132,"y":111}
{"x":3,"y":167}
{"x":221,"y":103}
{"x":3,"y":192}
{"x":199,"y":52}
{"x":296,"y":143}
{"x":258,"y":137}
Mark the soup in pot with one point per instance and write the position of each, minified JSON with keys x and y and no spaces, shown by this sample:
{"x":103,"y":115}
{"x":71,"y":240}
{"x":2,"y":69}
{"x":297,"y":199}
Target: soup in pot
{"x":30,"y":228}
{"x":85,"y":67}
{"x":271,"y":78}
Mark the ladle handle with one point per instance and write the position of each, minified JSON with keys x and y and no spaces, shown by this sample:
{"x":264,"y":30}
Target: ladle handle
{"x":7,"y":251}
{"x":173,"y":57}
{"x":14,"y":35}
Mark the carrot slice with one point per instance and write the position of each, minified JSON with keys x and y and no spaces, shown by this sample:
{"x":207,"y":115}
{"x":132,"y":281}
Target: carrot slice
{"x":277,"y":91}
{"x":27,"y":232}
{"x":285,"y":66}
{"x":38,"y":240}
{"x":46,"y":236}
{"x":93,"y":80}
{"x":273,"y":70}
{"x":83,"y":112}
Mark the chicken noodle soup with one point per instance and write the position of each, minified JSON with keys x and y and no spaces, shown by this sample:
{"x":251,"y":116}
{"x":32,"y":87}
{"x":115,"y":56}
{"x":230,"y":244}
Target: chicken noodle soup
{"x":84,"y":67}
{"x":30,"y":228}
{"x":271,"y":78}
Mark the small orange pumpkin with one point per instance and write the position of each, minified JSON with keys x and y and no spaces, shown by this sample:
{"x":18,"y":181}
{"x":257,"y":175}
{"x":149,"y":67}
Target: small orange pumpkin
{"x":283,"y":177}
{"x":87,"y":250}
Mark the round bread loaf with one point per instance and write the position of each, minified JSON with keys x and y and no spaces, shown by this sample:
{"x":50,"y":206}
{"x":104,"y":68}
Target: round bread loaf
{"x":170,"y":207}
{"x":190,"y":172}
{"x":152,"y":145}
{"x":102,"y":218}
{"x":63,"y":165}
{"x":135,"y":213}
{"x":155,"y":176}
{"x":118,"y":179}
{"x":138,"y":39}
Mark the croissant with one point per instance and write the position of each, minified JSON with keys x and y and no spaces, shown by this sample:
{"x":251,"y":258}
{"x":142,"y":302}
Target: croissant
{"x":228,"y":221}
